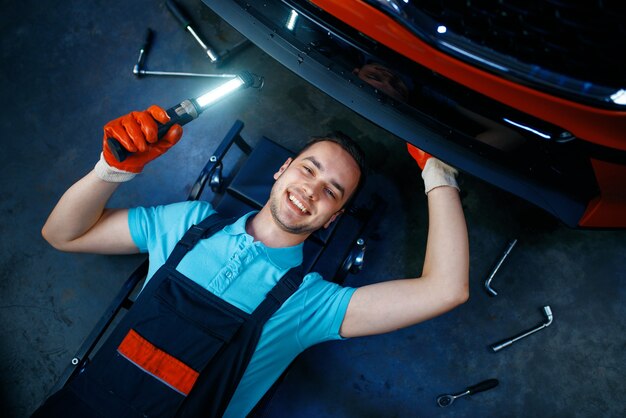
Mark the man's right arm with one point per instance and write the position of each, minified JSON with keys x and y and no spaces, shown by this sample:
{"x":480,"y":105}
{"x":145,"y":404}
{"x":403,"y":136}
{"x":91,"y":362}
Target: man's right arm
{"x":80,"y":222}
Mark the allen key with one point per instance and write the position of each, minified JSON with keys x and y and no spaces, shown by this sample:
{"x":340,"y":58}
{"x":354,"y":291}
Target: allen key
{"x":507,"y":251}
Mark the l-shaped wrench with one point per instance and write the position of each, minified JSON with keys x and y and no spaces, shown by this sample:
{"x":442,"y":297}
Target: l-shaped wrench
{"x":507,"y":251}
{"x":139,"y":71}
{"x":503,"y":344}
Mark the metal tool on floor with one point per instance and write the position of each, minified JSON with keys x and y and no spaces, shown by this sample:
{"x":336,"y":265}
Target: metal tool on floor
{"x":190,"y":109}
{"x":503,"y":344}
{"x":186,"y":24}
{"x":139,"y":71}
{"x":215,"y":56}
{"x":447,"y":400}
{"x":507,"y":251}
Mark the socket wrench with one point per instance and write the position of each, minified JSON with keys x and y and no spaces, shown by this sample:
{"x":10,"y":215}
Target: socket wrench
{"x":446,"y":400}
{"x":505,"y":343}
{"x":139,"y":71}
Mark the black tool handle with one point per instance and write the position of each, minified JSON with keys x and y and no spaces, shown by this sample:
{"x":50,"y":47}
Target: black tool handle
{"x":178,"y":13}
{"x":120,"y":153}
{"x":147,"y":42}
{"x":483,"y":386}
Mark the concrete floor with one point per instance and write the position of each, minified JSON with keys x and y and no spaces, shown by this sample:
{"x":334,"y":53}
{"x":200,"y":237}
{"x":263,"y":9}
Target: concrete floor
{"x":65,"y":70}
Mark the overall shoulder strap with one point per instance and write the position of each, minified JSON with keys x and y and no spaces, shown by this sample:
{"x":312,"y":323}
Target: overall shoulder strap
{"x":209,"y":226}
{"x":274,"y":299}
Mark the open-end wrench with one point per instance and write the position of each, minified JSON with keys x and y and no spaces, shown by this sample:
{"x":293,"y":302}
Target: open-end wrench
{"x":446,"y":400}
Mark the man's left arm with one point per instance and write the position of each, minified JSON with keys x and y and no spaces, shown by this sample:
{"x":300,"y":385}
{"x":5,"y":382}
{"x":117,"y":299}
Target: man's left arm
{"x":444,"y":283}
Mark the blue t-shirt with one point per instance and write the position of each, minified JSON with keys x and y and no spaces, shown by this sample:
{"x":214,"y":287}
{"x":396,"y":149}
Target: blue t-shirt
{"x":239,"y":270}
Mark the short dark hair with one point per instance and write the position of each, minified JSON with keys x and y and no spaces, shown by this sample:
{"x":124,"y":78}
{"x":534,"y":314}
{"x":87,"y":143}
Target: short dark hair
{"x":350,"y":146}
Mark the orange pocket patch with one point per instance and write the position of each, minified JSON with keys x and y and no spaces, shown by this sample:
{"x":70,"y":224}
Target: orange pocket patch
{"x":158,"y":363}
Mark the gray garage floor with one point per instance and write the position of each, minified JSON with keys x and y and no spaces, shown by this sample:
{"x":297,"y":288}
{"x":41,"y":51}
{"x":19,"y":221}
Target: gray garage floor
{"x":65,"y":70}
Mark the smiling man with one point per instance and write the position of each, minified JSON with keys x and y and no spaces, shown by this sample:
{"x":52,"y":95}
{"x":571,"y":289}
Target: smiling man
{"x":310,"y":191}
{"x":222,"y":314}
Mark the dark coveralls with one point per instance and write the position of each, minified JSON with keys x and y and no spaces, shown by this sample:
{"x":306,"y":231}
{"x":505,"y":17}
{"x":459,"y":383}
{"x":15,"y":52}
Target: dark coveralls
{"x":179,"y":351}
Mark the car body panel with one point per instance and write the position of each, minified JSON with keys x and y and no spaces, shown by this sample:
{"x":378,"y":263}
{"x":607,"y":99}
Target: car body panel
{"x":582,"y":198}
{"x":600,"y":126}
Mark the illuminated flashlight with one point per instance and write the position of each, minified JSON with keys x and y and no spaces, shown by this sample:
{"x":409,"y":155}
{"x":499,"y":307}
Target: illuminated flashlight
{"x":190,"y":109}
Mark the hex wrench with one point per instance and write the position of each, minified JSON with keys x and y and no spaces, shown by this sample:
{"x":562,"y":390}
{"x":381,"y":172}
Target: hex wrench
{"x":503,"y":344}
{"x":507,"y":251}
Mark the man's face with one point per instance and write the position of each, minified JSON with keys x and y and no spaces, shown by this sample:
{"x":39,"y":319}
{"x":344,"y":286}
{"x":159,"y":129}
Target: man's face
{"x":310,"y":191}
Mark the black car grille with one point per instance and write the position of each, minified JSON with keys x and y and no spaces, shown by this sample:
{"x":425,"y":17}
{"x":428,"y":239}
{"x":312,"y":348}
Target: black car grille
{"x":581,"y":39}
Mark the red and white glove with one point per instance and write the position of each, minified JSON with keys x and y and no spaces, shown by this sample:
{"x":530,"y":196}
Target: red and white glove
{"x":137,"y":132}
{"x":434,"y":172}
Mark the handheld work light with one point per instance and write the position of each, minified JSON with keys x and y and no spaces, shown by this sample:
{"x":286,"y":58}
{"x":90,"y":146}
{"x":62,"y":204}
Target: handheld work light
{"x":190,"y":109}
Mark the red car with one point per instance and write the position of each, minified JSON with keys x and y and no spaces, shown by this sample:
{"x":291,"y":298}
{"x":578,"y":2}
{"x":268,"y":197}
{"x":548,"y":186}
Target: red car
{"x":529,"y":96}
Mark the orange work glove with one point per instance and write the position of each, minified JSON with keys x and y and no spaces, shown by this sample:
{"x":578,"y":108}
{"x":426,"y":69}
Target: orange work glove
{"x":136,"y":132}
{"x":418,"y":155}
{"x":435,"y":173}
